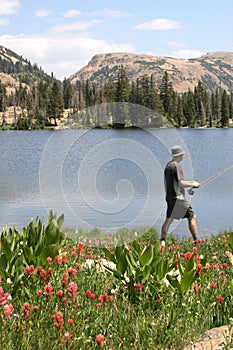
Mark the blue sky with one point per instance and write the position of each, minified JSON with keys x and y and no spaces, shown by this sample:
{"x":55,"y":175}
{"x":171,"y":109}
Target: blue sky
{"x":62,"y":36}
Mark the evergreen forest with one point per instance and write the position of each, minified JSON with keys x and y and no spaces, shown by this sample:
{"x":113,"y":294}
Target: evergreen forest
{"x":44,"y":101}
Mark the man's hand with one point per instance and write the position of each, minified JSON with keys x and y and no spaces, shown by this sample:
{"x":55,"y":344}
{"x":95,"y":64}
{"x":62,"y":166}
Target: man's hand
{"x":196,"y":184}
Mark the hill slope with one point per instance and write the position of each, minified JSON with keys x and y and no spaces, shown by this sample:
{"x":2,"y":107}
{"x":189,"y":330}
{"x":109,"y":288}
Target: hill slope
{"x":15,"y":70}
{"x":214,"y":69}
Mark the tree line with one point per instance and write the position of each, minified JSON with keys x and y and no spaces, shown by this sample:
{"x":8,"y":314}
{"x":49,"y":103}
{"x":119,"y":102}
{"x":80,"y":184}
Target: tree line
{"x":44,"y":102}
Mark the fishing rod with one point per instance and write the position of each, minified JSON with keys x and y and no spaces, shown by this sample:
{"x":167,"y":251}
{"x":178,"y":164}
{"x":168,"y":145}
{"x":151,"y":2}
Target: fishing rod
{"x":210,"y":178}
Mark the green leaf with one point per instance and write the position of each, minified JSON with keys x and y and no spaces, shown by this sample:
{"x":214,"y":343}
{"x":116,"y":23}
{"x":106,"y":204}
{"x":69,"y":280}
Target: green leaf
{"x":187,"y":280}
{"x":146,"y":273}
{"x":137,"y":247}
{"x":130,"y":259}
{"x":121,"y":265}
{"x":6,"y":248}
{"x":146,"y":256}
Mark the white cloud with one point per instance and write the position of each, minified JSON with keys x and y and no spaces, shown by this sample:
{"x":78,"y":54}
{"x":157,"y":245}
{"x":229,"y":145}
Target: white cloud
{"x":159,"y":24}
{"x":61,"y":54}
{"x":71,"y":13}
{"x":42,"y":13}
{"x":187,"y":53}
{"x":9,"y":7}
{"x":110,"y":13}
{"x":3,"y":22}
{"x":76,"y":26}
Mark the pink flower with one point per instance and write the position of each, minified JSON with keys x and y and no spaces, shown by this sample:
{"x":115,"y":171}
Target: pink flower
{"x":196,"y":287}
{"x":212,"y":285}
{"x":72,"y":289}
{"x":36,"y":308}
{"x":100,"y":340}
{"x":49,"y":260}
{"x":70,"y":321}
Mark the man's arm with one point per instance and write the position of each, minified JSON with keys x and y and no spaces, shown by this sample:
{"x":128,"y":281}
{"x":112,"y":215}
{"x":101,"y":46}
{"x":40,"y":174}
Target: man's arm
{"x":185,"y":183}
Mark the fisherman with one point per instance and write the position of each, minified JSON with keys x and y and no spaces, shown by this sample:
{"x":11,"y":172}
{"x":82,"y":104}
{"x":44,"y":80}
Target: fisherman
{"x":177,"y":206}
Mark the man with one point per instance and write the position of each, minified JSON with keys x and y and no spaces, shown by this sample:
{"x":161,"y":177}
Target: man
{"x":177,"y":206}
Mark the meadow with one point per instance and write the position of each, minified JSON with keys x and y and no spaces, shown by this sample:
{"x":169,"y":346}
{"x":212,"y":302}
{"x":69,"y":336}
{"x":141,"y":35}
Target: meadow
{"x":64,"y":289}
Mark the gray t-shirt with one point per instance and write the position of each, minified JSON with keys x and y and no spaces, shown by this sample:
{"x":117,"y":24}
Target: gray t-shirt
{"x":173,"y":173}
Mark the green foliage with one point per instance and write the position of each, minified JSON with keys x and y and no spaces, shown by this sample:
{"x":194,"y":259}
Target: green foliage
{"x":32,"y":246}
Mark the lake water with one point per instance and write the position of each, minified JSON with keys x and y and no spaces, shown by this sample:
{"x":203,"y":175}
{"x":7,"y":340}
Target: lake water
{"x":113,"y":178}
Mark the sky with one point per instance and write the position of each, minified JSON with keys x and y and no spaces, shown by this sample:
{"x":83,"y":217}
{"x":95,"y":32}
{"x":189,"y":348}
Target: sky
{"x":62,"y":36}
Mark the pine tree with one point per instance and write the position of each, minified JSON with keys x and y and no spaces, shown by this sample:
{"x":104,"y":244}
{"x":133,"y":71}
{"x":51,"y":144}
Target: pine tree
{"x":224,"y":110}
{"x":55,"y":103}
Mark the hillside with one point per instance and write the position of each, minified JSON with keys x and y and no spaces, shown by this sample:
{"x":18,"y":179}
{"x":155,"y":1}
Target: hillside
{"x":15,"y":70}
{"x":214,"y":69}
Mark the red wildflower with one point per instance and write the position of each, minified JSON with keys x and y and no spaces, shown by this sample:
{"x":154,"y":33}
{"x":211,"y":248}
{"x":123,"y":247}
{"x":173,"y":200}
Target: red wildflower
{"x":199,"y":269}
{"x":65,"y":279}
{"x":196,"y":287}
{"x":58,"y":260}
{"x":39,"y":292}
{"x":8,"y":309}
{"x":90,"y":295}
{"x":78,"y":266}
{"x":72,"y":290}
{"x":71,"y":271}
{"x":100,"y":340}
{"x":42,"y":273}
{"x":50,"y":272}
{"x":220,"y":300}
{"x":212,"y":285}
{"x":81,"y":247}
{"x":60,"y":293}
{"x":58,"y":320}
{"x":29,"y":269}
{"x":188,"y":255}
{"x":70,"y":321}
{"x":103,"y":298}
{"x":49,"y":260}
{"x":26,"y":310}
{"x":139,"y":286}
{"x":195,"y":250}
{"x":64,"y":259}
{"x":48,"y":290}
{"x":36,"y":308}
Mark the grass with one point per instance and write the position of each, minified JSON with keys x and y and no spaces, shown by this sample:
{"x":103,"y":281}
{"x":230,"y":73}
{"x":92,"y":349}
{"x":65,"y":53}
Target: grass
{"x":148,"y":298}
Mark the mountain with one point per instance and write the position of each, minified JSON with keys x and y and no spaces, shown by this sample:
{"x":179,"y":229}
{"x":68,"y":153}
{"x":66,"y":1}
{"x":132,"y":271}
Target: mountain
{"x":15,"y":70}
{"x":214,"y":70}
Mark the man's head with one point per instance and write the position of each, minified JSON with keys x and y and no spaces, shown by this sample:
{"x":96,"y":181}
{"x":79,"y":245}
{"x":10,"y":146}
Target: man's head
{"x":177,"y":153}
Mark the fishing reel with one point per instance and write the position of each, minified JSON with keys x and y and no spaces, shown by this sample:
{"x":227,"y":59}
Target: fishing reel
{"x":191,"y":191}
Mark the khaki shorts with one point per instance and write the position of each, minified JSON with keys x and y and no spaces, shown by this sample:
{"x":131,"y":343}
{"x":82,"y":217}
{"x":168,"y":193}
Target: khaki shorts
{"x":179,"y":209}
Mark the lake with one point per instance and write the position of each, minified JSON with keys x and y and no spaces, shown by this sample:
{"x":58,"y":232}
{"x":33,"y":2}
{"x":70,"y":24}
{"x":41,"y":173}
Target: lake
{"x":113,"y":178}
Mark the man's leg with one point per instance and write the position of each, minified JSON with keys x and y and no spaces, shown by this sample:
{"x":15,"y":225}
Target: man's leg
{"x":193,"y":226}
{"x":165,"y":228}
